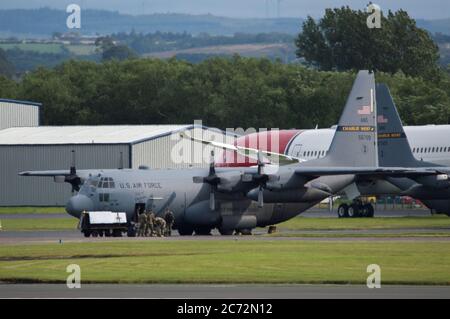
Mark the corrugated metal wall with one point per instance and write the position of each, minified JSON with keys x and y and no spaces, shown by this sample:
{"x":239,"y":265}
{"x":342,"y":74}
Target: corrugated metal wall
{"x":16,"y":114}
{"x":164,"y":152}
{"x":42,"y":191}
{"x":173,"y":152}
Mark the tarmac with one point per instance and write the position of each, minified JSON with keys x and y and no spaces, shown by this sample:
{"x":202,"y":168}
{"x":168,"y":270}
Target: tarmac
{"x":11,"y":237}
{"x":311,"y":213}
{"x":380,"y":211}
{"x":183,"y":291}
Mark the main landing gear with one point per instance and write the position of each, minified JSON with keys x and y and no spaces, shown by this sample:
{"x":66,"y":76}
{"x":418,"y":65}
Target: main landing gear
{"x":356,"y":209}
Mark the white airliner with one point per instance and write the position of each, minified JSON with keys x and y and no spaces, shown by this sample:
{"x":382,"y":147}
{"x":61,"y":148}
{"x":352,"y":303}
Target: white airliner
{"x":430,"y":143}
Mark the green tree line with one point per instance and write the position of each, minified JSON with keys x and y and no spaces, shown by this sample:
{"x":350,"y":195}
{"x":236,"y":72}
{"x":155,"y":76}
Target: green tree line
{"x":223,"y":92}
{"x":341,"y":40}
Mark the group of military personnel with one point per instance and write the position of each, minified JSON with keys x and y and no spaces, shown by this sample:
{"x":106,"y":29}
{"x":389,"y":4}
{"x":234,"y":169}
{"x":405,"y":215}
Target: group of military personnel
{"x":150,"y":225}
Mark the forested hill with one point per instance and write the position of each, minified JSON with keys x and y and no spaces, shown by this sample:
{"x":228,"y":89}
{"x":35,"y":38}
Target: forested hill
{"x":45,"y":21}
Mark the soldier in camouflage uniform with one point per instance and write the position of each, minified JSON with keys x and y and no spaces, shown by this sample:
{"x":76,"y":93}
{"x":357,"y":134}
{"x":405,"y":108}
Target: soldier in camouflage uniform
{"x":169,"y":218}
{"x":150,"y":229}
{"x":142,"y":220}
{"x":160,"y":226}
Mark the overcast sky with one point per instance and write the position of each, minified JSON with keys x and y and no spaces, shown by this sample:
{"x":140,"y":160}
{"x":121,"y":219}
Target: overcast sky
{"x":427,"y":9}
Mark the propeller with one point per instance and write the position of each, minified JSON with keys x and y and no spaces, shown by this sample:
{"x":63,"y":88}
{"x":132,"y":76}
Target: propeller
{"x":73,"y":178}
{"x":261,"y":179}
{"x":261,"y":197}
{"x":212,"y":179}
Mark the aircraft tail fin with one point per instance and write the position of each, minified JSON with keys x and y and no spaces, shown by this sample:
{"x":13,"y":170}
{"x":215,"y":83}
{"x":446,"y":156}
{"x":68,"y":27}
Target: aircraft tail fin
{"x":393,"y":146}
{"x":354,"y":143}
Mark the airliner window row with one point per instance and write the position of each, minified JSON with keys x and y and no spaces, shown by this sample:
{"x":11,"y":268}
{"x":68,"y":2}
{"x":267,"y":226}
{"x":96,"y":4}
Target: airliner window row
{"x":314,"y":153}
{"x":424,"y":150}
{"x":419,"y":150}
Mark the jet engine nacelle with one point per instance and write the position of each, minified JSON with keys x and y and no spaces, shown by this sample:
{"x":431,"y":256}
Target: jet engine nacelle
{"x":289,"y":196}
{"x":200,"y":214}
{"x":436,"y":181}
{"x":286,"y":180}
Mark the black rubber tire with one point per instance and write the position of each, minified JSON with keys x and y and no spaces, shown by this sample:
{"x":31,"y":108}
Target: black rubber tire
{"x":226,"y":232}
{"x":185,"y":231}
{"x":117,"y":233}
{"x":131,"y":232}
{"x":203,"y":231}
{"x":87,"y":234}
{"x":343,"y":211}
{"x":245,"y":232}
{"x":369,"y":211}
{"x":353,"y":211}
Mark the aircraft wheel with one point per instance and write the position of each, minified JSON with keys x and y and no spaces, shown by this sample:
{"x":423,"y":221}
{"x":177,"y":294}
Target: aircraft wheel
{"x":131,"y":232}
{"x":117,"y":233}
{"x":94,"y":234}
{"x":353,"y":211}
{"x":343,"y":211}
{"x":245,"y":232}
{"x":185,"y":231}
{"x":203,"y":231}
{"x":87,"y":234}
{"x":226,"y":232}
{"x":100,"y":233}
{"x":369,"y":211}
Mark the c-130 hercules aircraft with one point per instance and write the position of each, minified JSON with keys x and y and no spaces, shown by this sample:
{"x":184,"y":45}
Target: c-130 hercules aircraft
{"x":232,"y":198}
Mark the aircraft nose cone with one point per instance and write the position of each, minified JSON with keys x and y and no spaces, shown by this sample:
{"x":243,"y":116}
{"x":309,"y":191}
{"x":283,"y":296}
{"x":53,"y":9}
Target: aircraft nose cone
{"x":79,"y":203}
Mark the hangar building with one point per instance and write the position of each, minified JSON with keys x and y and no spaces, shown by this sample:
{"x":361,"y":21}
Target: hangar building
{"x":18,"y":113}
{"x":96,"y":147}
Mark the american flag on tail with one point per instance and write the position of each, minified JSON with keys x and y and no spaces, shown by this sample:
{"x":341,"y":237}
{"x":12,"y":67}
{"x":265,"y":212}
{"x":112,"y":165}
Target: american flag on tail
{"x":382,"y":120}
{"x":365,"y":110}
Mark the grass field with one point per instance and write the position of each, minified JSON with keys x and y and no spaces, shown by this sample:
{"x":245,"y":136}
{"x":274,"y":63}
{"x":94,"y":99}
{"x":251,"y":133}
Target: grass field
{"x":81,"y":49}
{"x":303,"y":223}
{"x":228,"y":262}
{"x":36,"y":47}
{"x":31,"y":210}
{"x":36,"y":224}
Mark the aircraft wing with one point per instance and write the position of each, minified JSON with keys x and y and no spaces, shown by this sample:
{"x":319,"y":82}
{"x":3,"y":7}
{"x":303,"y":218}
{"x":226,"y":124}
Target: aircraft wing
{"x":282,"y":159}
{"x":380,"y":171}
{"x":53,"y":173}
{"x":46,"y":173}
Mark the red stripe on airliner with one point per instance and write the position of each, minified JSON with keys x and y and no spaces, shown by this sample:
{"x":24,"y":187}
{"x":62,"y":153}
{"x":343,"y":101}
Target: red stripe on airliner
{"x":274,"y":141}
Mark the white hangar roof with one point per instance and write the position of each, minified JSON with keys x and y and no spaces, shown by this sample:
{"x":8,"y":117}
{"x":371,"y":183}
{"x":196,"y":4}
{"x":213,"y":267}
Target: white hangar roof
{"x":111,"y":134}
